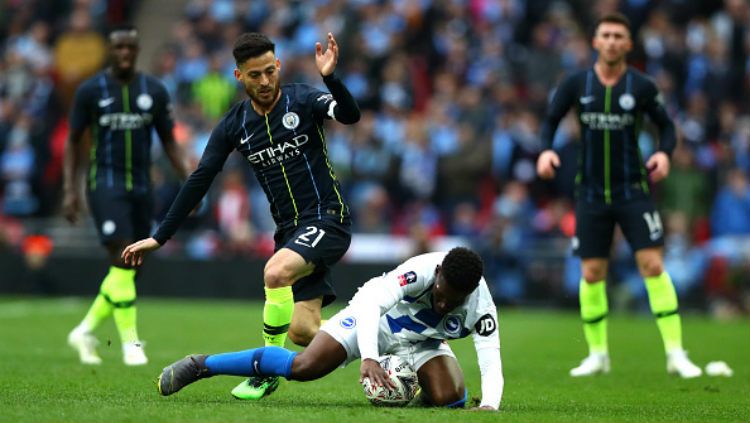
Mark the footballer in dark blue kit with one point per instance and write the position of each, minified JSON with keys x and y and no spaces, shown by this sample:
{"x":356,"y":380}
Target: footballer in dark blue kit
{"x":279,"y":131}
{"x":611,"y":100}
{"x":120,"y":107}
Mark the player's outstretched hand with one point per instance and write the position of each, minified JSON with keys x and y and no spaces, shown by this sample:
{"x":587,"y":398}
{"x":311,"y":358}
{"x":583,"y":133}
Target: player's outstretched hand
{"x":371,"y":369}
{"x":133,"y":253}
{"x":327,"y":60}
{"x":658,"y":166}
{"x":547,"y":163}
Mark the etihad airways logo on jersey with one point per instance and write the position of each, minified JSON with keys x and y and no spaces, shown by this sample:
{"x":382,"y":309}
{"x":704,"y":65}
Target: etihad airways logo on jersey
{"x":123,"y":121}
{"x":611,"y":121}
{"x":277,"y":153}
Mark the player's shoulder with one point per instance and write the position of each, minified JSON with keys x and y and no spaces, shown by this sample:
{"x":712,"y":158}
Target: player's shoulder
{"x":426,"y":260}
{"x":640,"y":77}
{"x":234,"y":117}
{"x":576,"y":76}
{"x":152,"y":82}
{"x":300,"y":92}
{"x":93,"y":82}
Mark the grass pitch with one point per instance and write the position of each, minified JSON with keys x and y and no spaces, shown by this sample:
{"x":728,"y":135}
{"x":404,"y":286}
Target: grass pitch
{"x":41,"y":380}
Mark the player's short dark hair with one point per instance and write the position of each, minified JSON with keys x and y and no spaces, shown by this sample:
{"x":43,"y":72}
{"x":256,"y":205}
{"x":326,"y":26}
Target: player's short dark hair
{"x":615,"y":18}
{"x":123,"y":27}
{"x":462,"y":269}
{"x":251,"y":44}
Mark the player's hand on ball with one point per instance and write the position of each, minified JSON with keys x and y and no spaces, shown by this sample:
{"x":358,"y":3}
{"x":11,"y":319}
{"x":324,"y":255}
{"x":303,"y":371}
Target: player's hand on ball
{"x":371,"y":369}
{"x":547,"y":163}
{"x":133,"y":253}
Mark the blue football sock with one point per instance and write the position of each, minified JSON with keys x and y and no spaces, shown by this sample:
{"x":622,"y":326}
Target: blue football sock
{"x":266,"y":361}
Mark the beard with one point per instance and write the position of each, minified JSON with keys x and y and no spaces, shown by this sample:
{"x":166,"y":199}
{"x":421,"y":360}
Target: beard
{"x":264,"y":98}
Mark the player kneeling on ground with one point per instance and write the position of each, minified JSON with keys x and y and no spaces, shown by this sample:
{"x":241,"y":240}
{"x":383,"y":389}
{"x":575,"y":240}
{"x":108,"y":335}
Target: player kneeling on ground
{"x":409,"y":312}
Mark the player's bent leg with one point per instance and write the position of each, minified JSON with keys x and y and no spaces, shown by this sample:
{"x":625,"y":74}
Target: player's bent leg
{"x":664,"y":305}
{"x":281,"y":271}
{"x":442,"y":382}
{"x":305,"y":321}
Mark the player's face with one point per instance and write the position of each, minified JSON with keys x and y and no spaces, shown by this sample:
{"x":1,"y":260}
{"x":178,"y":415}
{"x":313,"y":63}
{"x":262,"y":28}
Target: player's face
{"x":444,"y":297}
{"x":124,"y":51}
{"x":612,"y":42}
{"x":260,"y":77}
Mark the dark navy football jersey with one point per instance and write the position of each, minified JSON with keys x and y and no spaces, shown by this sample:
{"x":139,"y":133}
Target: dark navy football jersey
{"x":287,"y":151}
{"x":121,"y":118}
{"x":610,"y":166}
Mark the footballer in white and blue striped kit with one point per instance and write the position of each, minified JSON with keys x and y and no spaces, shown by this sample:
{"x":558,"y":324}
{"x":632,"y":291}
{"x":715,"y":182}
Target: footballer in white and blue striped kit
{"x":410,"y":312}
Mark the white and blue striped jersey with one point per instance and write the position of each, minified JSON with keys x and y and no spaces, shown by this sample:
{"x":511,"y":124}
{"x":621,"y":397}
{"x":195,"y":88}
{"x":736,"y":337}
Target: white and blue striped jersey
{"x":405,"y":300}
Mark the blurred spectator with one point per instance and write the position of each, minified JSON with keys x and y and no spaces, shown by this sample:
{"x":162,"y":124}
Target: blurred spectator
{"x":79,"y":53}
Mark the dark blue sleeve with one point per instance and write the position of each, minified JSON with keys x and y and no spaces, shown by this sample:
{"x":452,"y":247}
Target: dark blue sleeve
{"x":339,"y":104}
{"x":654,"y":107}
{"x":216,"y":153}
{"x":562,"y":100}
{"x":80,"y":113}
{"x":163,"y":115}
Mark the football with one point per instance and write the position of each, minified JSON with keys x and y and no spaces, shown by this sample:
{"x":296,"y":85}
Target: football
{"x":402,"y":375}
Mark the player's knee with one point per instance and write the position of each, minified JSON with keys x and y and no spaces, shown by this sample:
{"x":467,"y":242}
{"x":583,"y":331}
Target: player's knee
{"x":277,"y":277}
{"x":302,"y":336}
{"x":651,"y":267}
{"x":593,"y":274}
{"x":304,"y":368}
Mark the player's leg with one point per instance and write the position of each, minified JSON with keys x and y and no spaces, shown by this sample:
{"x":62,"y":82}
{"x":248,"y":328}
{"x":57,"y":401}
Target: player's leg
{"x":282,"y":270}
{"x":664,"y":305}
{"x":297,"y":274}
{"x":322,"y":357}
{"x":440,"y":377}
{"x":642,"y":226}
{"x":594,"y":229}
{"x":111,"y":215}
{"x":305,"y":321}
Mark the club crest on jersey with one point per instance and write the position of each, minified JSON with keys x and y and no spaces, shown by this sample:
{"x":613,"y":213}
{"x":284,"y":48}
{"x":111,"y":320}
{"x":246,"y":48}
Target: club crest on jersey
{"x":290,"y":121}
{"x":348,"y":322}
{"x":144,"y":101}
{"x":407,"y":278}
{"x":452,"y":325}
{"x":627,"y":102}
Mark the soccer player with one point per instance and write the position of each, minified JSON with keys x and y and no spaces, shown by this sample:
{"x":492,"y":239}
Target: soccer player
{"x":408,"y":312}
{"x":610,"y":99}
{"x":120,"y":106}
{"x":279,"y":130}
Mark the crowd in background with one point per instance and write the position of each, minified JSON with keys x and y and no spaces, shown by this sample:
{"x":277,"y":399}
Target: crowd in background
{"x":452,"y":94}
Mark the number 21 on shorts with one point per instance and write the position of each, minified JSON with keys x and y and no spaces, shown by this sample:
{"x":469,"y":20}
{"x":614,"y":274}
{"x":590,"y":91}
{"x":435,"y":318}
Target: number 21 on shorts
{"x":311,"y":237}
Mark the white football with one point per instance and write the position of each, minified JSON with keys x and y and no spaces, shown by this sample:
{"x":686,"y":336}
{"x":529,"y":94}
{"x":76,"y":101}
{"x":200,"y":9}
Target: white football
{"x":402,"y":375}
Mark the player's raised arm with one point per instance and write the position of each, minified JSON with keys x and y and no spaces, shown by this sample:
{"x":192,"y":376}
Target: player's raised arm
{"x":343,"y":107}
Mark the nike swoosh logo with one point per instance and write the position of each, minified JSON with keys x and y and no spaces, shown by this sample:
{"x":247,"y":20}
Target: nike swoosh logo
{"x":255,"y":367}
{"x":106,"y":102}
{"x":586,"y":100}
{"x":246,"y":139}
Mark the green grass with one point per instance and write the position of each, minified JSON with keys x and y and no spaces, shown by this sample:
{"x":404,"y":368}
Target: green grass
{"x":41,"y":380}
